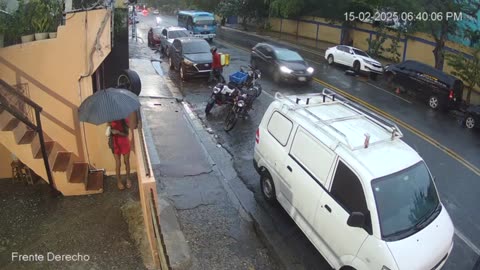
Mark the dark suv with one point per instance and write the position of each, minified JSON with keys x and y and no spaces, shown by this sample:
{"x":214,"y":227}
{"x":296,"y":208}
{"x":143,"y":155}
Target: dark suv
{"x":191,"y":56}
{"x":440,"y":90}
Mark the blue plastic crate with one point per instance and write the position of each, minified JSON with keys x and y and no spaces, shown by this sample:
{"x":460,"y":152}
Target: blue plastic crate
{"x":238,"y":77}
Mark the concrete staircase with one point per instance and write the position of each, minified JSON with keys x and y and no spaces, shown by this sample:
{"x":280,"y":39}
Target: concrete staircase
{"x":72,"y":176}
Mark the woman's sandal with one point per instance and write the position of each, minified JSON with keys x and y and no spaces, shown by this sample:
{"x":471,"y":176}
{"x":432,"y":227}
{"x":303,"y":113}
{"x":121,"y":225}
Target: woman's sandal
{"x":129,"y":183}
{"x":120,"y":186}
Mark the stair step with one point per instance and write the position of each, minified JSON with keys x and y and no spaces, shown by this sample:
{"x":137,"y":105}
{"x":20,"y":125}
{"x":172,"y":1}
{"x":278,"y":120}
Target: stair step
{"x":61,"y":161}
{"x":8,"y":122}
{"x":37,"y":150}
{"x":95,"y":181}
{"x":23,"y":134}
{"x":77,"y":172}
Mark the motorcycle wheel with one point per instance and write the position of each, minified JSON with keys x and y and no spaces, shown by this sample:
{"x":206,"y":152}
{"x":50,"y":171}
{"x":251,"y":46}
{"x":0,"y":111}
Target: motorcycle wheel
{"x":210,"y":105}
{"x":259,"y":91}
{"x":230,"y":121}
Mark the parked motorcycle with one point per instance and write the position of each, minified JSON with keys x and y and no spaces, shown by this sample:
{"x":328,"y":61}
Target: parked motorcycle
{"x":222,"y":94}
{"x":252,"y":80}
{"x":244,"y":80}
{"x":241,"y":105}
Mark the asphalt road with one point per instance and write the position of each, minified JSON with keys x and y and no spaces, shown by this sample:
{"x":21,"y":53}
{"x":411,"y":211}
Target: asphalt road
{"x":450,"y":151}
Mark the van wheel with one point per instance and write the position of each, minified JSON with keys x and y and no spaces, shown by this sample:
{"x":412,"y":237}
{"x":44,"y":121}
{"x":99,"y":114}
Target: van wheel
{"x":434,"y":102}
{"x":347,"y":268}
{"x":268,"y":188}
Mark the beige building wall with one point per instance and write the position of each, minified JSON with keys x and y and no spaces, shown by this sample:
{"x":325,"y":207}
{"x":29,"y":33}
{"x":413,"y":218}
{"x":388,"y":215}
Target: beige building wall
{"x":417,"y":50}
{"x":5,"y":160}
{"x":58,"y":75}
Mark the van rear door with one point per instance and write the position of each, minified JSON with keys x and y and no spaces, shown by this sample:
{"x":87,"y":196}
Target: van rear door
{"x":306,"y":170}
{"x":271,"y":142}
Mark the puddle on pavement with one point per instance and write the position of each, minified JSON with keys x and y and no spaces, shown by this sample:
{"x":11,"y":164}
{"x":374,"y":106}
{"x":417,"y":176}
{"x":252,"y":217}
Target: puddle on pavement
{"x":156,"y":65}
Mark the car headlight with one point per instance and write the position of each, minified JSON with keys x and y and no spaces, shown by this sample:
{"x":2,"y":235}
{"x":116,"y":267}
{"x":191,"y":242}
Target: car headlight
{"x":310,"y":70}
{"x":285,"y":69}
{"x":187,"y":62}
{"x":241,"y":103}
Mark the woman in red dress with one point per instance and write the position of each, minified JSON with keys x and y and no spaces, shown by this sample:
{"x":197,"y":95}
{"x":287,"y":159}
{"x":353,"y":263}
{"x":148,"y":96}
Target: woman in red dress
{"x":121,"y":146}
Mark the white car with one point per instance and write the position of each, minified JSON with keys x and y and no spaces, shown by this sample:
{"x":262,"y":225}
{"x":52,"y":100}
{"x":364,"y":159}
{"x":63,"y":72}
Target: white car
{"x":363,"y":197}
{"x":359,"y":60}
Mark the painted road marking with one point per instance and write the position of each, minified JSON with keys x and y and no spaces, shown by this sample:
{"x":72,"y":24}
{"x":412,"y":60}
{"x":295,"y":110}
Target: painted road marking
{"x":425,"y":137}
{"x":388,"y":92}
{"x":468,"y":242}
{"x":412,"y":129}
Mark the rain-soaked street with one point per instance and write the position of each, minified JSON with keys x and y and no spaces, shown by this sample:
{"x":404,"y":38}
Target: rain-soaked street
{"x":450,"y":151}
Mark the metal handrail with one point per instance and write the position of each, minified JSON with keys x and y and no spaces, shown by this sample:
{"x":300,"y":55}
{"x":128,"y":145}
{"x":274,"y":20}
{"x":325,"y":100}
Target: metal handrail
{"x":35,"y":127}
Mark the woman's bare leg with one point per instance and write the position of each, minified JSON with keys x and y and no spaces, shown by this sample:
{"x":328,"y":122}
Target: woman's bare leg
{"x":126,"y":159}
{"x":118,"y":166}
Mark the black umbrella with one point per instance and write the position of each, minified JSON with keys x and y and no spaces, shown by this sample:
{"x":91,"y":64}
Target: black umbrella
{"x":108,"y":105}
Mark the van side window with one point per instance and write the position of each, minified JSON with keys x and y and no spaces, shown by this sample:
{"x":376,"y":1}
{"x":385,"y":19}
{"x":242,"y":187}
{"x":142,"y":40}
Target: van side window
{"x":280,"y":128}
{"x":312,"y":155}
{"x":348,"y":191}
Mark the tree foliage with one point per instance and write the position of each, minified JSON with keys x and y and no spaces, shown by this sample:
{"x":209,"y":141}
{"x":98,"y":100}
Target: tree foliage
{"x":245,"y":9}
{"x":286,"y":8}
{"x":467,"y":69}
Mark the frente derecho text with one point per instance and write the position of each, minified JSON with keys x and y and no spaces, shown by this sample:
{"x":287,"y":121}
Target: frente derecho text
{"x":49,"y":257}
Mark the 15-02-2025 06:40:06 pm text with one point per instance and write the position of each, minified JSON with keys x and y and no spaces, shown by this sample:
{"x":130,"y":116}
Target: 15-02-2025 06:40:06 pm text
{"x":402,"y":16}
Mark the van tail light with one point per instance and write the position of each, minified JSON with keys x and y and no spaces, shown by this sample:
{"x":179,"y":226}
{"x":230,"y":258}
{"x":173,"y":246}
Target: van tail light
{"x":257,"y":136}
{"x":450,"y":95}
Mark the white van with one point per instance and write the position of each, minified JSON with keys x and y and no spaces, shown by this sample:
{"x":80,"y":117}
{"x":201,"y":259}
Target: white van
{"x":364,"y":198}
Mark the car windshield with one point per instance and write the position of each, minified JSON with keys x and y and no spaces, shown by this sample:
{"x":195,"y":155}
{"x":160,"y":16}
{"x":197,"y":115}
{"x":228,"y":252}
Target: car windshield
{"x":204,"y":21}
{"x":361,"y":53}
{"x":287,"y":55}
{"x":178,"y":34}
{"x":196,"y":47}
{"x":404,"y":199}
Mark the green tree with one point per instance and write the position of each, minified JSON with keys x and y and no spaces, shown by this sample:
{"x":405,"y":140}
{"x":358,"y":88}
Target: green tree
{"x":473,"y":36}
{"x":440,"y":29}
{"x":467,"y":69}
{"x":245,"y":9}
{"x":286,"y":8}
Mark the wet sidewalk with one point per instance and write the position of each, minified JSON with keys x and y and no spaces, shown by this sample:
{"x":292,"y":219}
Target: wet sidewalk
{"x":92,"y":229}
{"x":203,"y":223}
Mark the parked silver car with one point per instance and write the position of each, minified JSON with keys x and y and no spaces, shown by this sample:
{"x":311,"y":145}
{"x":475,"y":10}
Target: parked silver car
{"x":169,"y":34}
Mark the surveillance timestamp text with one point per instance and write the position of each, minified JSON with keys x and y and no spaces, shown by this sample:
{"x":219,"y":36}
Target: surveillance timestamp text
{"x":403,"y":16}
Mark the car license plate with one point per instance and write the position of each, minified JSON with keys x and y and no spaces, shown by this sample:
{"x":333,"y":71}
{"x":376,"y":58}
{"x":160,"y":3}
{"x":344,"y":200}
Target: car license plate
{"x":302,"y":79}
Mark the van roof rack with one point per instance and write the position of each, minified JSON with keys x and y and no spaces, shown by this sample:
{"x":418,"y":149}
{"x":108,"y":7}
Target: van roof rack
{"x":329,"y":97}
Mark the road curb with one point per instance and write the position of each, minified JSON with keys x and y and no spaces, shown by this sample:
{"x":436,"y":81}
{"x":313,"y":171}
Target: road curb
{"x":177,"y":248}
